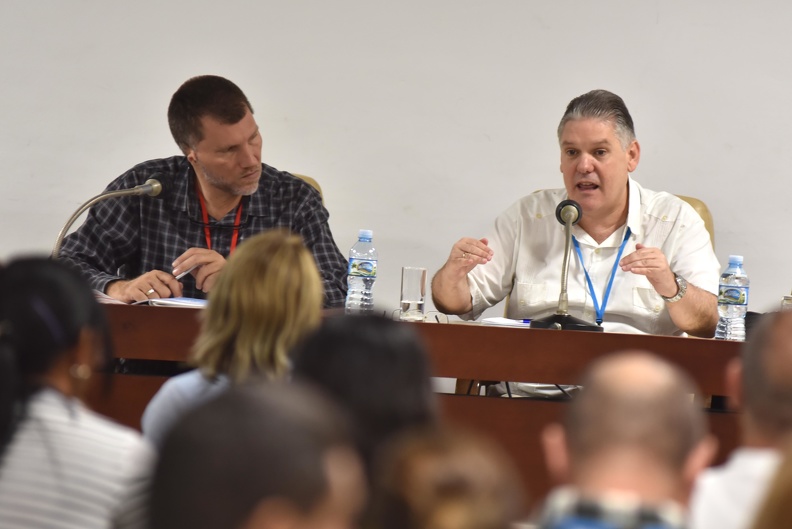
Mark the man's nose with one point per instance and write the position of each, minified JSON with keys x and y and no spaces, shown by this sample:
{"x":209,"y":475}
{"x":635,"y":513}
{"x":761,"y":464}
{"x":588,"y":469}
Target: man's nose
{"x":249,"y":155}
{"x":585,"y":164}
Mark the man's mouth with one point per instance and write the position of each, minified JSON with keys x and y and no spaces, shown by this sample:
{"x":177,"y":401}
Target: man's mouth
{"x":587,"y":186}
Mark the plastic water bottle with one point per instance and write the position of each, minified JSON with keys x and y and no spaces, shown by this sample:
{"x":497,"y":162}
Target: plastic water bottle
{"x":732,"y":301}
{"x":361,"y":275}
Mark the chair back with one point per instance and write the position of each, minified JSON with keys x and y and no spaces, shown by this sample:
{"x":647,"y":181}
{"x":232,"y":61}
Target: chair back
{"x":705,"y":214}
{"x":313,"y":183}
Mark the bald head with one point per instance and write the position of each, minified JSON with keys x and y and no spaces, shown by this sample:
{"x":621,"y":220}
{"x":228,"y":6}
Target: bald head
{"x":635,"y":400}
{"x":767,"y":374}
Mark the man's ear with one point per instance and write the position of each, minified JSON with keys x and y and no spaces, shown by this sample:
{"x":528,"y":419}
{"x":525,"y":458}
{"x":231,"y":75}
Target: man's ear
{"x":556,"y":453}
{"x":633,"y":156}
{"x":733,"y":376}
{"x":697,"y":460}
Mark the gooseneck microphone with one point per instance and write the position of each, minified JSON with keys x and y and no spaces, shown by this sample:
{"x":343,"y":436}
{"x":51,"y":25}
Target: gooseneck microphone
{"x":152,"y":187}
{"x":568,"y":213}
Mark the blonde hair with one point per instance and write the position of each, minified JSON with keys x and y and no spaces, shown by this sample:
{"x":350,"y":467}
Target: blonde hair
{"x":268,"y":296}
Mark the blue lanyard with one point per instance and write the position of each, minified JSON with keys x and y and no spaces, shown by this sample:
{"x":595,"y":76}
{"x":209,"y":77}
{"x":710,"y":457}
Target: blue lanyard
{"x":601,"y":310}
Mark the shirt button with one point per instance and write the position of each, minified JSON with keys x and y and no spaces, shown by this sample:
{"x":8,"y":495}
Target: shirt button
{"x":658,"y":308}
{"x":597,"y":251}
{"x":522,"y":302}
{"x":538,"y":215}
{"x":665,"y":217}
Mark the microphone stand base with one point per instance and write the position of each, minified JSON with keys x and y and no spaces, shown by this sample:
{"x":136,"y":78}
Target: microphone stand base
{"x":565,"y":322}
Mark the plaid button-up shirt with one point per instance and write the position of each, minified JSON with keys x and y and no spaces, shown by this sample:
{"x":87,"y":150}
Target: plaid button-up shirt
{"x":126,"y":237}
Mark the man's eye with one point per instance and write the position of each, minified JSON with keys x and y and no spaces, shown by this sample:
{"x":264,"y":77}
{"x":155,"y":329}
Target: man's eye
{"x":600,"y":152}
{"x":571,"y":152}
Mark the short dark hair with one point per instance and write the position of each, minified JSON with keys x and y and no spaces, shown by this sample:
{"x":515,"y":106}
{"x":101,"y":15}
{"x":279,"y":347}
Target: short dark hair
{"x":253,"y":442}
{"x":767,"y":392}
{"x":377,"y":370}
{"x":605,"y":106}
{"x":205,"y":95}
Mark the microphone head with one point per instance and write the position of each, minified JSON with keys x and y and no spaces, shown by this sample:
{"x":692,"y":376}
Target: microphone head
{"x":154,"y":187}
{"x":568,"y":212}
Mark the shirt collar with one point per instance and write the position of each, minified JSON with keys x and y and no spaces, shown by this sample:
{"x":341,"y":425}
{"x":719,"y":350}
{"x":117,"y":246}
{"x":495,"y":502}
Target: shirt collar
{"x":633,"y":219}
{"x":634,"y":209}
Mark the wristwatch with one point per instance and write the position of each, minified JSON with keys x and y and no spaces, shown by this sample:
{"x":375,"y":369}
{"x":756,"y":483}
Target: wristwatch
{"x":682,"y":288}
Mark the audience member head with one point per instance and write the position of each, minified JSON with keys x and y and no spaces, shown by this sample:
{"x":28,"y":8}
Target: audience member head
{"x":604,"y":106}
{"x":446,"y":479}
{"x":204,"y":96}
{"x":761,"y":381}
{"x":52,"y":333}
{"x":267,"y":298}
{"x":258,"y":456}
{"x":377,"y":370}
{"x":634,"y":426}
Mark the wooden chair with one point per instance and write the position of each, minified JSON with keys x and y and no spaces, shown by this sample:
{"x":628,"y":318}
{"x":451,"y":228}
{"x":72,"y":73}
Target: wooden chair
{"x":313,"y":183}
{"x":705,"y":214}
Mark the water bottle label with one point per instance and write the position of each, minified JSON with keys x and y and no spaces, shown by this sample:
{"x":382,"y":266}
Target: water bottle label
{"x":731,"y":295}
{"x":362,"y":267}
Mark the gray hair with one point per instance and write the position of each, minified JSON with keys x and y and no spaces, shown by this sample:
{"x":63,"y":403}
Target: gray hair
{"x":604,"y":106}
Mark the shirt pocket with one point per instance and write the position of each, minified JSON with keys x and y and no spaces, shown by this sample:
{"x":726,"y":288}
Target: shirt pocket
{"x":647,"y":301}
{"x":531,"y":294}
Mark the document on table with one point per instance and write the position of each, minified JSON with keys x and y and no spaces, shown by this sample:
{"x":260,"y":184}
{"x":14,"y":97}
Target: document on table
{"x":506,"y":322}
{"x":177,"y":302}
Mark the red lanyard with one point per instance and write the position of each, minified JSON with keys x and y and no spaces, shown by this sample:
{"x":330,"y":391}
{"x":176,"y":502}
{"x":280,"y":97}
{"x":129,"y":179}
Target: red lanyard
{"x":207,"y":231}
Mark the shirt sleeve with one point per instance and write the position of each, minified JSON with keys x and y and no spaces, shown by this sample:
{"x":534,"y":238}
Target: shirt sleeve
{"x":491,"y":282}
{"x":167,"y":405}
{"x":693,"y":255}
{"x":108,"y":240}
{"x":312,"y":225}
{"x":132,"y":510}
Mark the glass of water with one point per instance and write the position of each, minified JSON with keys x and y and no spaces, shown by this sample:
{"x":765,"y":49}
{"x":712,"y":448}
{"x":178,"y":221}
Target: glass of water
{"x":786,"y":303}
{"x":413,"y":294}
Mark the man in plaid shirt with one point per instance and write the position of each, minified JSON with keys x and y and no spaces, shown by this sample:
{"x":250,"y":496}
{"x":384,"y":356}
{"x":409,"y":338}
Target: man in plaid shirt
{"x":214,"y":197}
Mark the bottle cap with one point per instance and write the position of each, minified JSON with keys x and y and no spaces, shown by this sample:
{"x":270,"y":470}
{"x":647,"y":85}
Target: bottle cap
{"x":365,"y":234}
{"x":736,"y":259}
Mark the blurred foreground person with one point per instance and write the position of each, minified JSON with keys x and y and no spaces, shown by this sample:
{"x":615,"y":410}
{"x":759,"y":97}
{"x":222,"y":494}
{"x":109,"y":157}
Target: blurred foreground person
{"x":760,"y":384}
{"x":375,"y":369}
{"x":631,"y":445}
{"x":775,"y":511}
{"x":61,"y":465}
{"x":268,"y":297}
{"x":258,"y":457}
{"x":446,"y":479}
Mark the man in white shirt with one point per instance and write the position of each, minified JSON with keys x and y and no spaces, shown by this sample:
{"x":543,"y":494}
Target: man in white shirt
{"x":760,"y":383}
{"x":642,"y":262}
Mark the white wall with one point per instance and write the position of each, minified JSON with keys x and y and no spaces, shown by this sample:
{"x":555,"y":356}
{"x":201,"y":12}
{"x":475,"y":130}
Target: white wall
{"x":421,"y":119}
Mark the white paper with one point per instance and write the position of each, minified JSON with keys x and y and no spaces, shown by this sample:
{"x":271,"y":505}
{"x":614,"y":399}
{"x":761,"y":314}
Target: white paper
{"x":506,"y":322}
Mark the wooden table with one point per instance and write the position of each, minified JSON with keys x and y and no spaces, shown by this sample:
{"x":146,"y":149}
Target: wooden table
{"x":457,"y":351}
